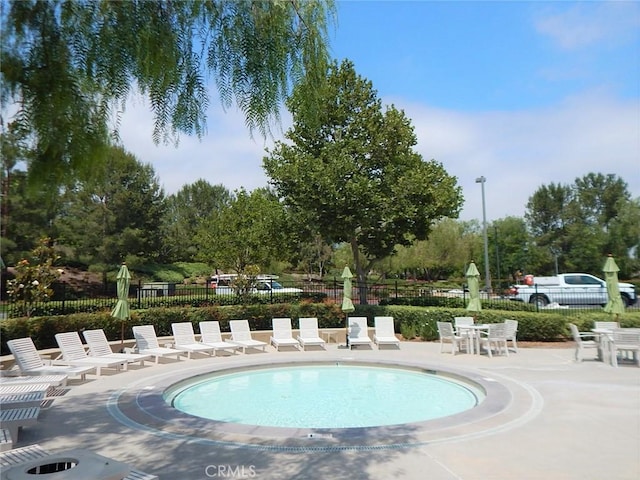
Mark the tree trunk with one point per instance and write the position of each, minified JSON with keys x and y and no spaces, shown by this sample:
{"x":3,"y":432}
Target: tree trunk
{"x":361,"y":274}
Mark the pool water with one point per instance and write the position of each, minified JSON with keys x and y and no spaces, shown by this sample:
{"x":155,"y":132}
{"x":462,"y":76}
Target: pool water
{"x":325,"y":396}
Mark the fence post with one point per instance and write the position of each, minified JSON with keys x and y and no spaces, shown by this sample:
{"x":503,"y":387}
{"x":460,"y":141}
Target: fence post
{"x":396,"y":289}
{"x":139,"y":294}
{"x":64,"y":296}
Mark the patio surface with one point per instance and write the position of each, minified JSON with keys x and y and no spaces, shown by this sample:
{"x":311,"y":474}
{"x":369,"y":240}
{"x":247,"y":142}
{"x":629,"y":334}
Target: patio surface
{"x":561,"y":420}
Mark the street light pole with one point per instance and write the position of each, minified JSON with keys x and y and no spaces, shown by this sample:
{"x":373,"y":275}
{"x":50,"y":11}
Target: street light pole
{"x":487,"y":274}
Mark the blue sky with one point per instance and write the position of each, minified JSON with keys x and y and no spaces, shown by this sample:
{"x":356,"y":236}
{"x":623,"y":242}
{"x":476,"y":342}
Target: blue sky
{"x":524,"y":93}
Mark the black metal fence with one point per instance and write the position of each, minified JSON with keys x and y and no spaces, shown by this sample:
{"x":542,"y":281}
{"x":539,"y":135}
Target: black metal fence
{"x":157,"y":294}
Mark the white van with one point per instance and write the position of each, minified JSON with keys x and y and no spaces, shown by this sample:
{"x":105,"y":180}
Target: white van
{"x":262,"y":285}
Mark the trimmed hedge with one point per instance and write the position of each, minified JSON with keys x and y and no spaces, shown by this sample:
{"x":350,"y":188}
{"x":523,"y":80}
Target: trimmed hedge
{"x":411,"y":321}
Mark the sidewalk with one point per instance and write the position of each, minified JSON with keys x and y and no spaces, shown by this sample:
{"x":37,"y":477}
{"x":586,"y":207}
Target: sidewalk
{"x":563,"y":420}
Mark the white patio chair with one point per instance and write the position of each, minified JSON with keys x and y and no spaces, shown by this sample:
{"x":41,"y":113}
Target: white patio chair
{"x":385,"y":333}
{"x":147,"y":343}
{"x":446,"y":333}
{"x":358,"y":332}
{"x":581,"y":343}
{"x":625,"y":340}
{"x":282,"y":335}
{"x":73,"y":353}
{"x":496,"y":337}
{"x":511,"y":331}
{"x":241,"y":335}
{"x":30,"y":363}
{"x":99,"y":347}
{"x":459,"y":322}
{"x":211,"y":336}
{"x":185,"y":339}
{"x":309,"y":334}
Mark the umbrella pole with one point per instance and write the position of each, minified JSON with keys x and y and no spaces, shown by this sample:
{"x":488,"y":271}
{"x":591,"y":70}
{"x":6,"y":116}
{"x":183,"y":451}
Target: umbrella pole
{"x":121,"y":335}
{"x":346,"y":331}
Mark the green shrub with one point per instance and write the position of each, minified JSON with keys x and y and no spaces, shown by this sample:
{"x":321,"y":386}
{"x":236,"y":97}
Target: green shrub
{"x":410,"y":321}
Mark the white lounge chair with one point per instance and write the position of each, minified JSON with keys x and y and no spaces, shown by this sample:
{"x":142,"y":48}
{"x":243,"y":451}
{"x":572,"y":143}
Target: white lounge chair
{"x":211,"y":336}
{"x":147,"y":343}
{"x":385,"y":333}
{"x":446,"y":333}
{"x":282,"y":334}
{"x":51,"y":380}
{"x":20,"y":389}
{"x":30,"y":363}
{"x":241,"y":335}
{"x":6,"y":442}
{"x":22,"y":399}
{"x":13,"y":419}
{"x":308,"y":334}
{"x":359,"y":332}
{"x":185,"y":339}
{"x":99,"y":347}
{"x":73,"y":353}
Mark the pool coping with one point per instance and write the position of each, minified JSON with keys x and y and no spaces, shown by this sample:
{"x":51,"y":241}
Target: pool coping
{"x":143,"y":406}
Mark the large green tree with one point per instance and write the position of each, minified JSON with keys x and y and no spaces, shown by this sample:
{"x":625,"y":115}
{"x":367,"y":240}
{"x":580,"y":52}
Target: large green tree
{"x":581,"y":223}
{"x":186,"y":211}
{"x":113,"y":216}
{"x":450,"y":247}
{"x":351,"y":171}
{"x":68,"y":66}
{"x":25,"y":212}
{"x":248,"y":233}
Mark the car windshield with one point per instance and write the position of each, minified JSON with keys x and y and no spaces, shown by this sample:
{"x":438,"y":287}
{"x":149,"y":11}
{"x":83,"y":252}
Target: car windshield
{"x":275,"y":285}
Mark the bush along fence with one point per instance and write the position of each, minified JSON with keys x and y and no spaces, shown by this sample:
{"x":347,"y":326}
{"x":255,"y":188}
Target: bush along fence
{"x":412,"y":322}
{"x":161,"y":294}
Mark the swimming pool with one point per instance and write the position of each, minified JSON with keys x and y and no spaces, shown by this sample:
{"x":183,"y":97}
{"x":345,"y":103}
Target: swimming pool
{"x":324,"y":396}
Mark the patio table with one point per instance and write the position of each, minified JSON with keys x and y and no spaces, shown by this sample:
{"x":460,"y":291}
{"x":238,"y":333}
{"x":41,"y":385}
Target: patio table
{"x":473,"y":332}
{"x":603,"y":336}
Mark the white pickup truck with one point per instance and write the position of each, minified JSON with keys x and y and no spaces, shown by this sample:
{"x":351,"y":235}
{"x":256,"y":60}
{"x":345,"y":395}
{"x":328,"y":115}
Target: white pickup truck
{"x":569,"y":289}
{"x":261,"y":285}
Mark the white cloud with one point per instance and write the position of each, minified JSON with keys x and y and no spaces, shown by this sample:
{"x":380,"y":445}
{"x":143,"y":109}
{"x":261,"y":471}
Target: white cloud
{"x":226,"y":154}
{"x":517,"y":151}
{"x":520,"y":151}
{"x":586,"y":24}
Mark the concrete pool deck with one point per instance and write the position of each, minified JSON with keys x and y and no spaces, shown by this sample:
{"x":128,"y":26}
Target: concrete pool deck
{"x":564,"y":420}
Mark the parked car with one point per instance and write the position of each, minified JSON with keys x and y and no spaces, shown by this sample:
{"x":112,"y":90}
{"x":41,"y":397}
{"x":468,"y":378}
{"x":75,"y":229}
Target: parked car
{"x":569,"y":289}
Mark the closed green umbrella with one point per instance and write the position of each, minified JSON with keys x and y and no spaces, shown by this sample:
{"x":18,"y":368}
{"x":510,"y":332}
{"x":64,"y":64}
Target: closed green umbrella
{"x":473,"y":282}
{"x":347,"y":303}
{"x":614,"y":306}
{"x":121,"y":310}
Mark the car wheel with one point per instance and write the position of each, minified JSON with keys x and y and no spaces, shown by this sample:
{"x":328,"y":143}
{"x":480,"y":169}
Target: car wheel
{"x":539,"y":301}
{"x":627,"y":300}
